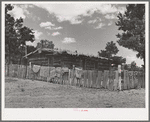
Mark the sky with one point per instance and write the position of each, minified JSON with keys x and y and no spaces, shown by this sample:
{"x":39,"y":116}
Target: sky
{"x":85,"y":27}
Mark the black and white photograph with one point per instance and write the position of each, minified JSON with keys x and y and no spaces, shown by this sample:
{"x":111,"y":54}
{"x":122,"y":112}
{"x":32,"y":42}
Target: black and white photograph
{"x":75,"y":57}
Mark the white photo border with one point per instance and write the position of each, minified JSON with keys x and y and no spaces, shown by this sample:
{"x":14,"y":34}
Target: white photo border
{"x":69,"y":113}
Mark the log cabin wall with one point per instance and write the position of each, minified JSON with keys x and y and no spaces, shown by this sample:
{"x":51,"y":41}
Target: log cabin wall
{"x":64,"y":60}
{"x":90,"y":65}
{"x":56,"y":60}
{"x":67,"y":60}
{"x":38,"y":59}
{"x":103,"y":64}
{"x":70,"y":60}
{"x":96,"y":64}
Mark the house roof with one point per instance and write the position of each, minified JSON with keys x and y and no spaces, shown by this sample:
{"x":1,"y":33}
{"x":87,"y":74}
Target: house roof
{"x":60,"y":51}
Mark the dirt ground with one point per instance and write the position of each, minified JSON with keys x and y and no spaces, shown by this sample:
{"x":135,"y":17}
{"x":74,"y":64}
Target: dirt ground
{"x":24,"y":93}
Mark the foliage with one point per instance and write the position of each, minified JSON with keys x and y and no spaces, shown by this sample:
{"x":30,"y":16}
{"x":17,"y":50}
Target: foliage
{"x":45,"y":44}
{"x":103,"y":53}
{"x":25,"y":34}
{"x":126,"y":67}
{"x":30,"y":48}
{"x":110,"y":49}
{"x":132,"y":24}
{"x":118,"y":60}
{"x":10,"y":34}
{"x":15,"y":36}
{"x":133,"y":65}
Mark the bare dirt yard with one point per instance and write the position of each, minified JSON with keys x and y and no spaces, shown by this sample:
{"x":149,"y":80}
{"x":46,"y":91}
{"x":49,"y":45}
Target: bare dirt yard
{"x":25,"y":93}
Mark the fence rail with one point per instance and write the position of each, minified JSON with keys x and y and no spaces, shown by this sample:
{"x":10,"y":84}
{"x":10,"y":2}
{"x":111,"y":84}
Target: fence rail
{"x":89,"y":78}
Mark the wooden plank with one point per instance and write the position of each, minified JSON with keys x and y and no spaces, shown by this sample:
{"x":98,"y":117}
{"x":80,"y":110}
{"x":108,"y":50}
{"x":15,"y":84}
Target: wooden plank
{"x":99,"y":79}
{"x":131,"y":79}
{"x":116,"y":80}
{"x":125,"y":76}
{"x":108,"y":80}
{"x":94,"y":77}
{"x":24,"y":72}
{"x":65,"y":79}
{"x":89,"y":78}
{"x":135,"y":78}
{"x":20,"y":71}
{"x":10,"y":70}
{"x":139,"y":79}
{"x":82,"y":79}
{"x":75,"y":81}
{"x":89,"y":81}
{"x":29,"y":73}
{"x":86,"y":78}
{"x":107,"y":77}
{"x":119,"y":81}
{"x":18,"y":74}
{"x":143,"y":80}
{"x":36,"y":76}
{"x":102,"y":79}
{"x":15,"y":70}
{"x":74,"y":78}
{"x":105,"y":81}
{"x":71,"y":77}
{"x":111,"y":80}
{"x":112,"y":85}
{"x":96,"y":84}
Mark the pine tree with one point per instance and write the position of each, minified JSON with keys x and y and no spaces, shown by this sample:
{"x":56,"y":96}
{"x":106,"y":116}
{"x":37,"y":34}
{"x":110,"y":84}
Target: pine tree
{"x":132,"y":24}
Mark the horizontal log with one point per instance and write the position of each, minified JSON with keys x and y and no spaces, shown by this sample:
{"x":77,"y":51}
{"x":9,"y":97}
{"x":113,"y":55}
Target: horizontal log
{"x":39,"y":62}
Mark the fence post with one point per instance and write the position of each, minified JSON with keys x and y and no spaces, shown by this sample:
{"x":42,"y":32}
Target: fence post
{"x":116,"y":80}
{"x":119,"y":71}
{"x":125,"y":79}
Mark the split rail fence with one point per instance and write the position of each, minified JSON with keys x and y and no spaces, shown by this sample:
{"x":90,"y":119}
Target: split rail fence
{"x":88,"y":78}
